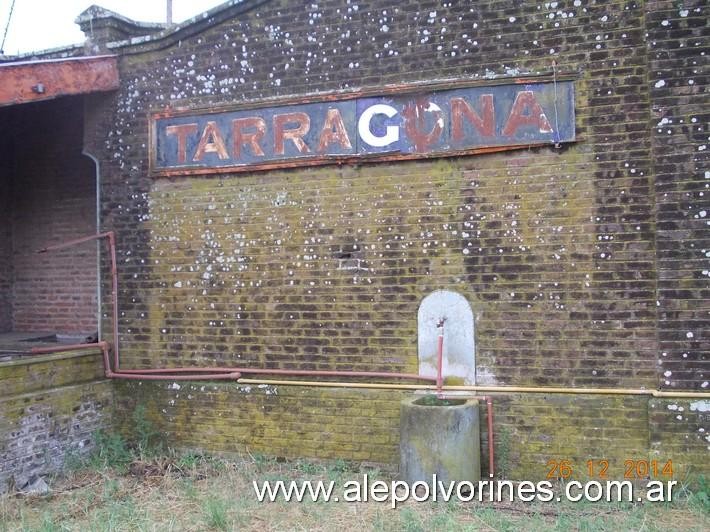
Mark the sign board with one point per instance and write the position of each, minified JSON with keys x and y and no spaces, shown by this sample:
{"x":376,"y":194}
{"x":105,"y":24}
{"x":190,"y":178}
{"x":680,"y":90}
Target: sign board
{"x":343,"y":128}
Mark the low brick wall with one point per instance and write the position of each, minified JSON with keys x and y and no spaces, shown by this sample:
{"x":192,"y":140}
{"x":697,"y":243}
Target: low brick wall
{"x":49,"y":408}
{"x":533,"y":432}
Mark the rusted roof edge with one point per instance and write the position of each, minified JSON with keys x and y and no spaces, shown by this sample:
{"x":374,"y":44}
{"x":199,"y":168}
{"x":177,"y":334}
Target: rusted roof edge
{"x":31,"y":81}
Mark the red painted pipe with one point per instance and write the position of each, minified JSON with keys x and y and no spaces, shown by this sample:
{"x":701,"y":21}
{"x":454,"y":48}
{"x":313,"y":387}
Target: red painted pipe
{"x":114,"y":295}
{"x":183,"y":376}
{"x":491,"y":460}
{"x":440,"y":359}
{"x":59,"y":349}
{"x":439,"y":364}
{"x":294,"y":372}
{"x":111,"y":239}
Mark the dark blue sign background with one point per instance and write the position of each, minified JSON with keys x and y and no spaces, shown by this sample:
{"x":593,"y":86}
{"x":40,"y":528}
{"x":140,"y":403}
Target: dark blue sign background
{"x":555,"y":100}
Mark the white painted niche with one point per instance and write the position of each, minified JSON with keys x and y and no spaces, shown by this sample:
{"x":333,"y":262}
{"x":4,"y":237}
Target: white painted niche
{"x":459,"y":358}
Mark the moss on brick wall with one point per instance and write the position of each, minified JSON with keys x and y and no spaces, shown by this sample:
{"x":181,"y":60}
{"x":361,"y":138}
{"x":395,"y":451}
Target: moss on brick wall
{"x":584,"y":265}
{"x":49,"y":408}
{"x":287,"y":421}
{"x":532,"y":432}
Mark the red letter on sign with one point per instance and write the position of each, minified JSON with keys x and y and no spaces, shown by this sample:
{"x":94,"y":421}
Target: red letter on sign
{"x":333,"y":131}
{"x":295,"y":134}
{"x":414,"y":122}
{"x":526,"y":111}
{"x":211,"y":142}
{"x":242,"y":138}
{"x":460,"y":109}
{"x":181,"y":132}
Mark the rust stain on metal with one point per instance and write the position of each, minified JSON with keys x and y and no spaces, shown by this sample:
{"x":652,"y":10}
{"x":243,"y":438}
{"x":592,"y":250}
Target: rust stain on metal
{"x":45,"y":80}
{"x":414,"y":114}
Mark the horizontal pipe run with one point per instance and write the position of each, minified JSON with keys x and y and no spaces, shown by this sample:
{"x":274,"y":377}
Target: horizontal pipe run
{"x":204,"y":373}
{"x":579,"y":391}
{"x":74,"y":242}
{"x":59,"y":349}
{"x":160,"y":377}
{"x":680,"y":395}
{"x":182,"y":377}
{"x":474,"y":388}
{"x":294,"y":372}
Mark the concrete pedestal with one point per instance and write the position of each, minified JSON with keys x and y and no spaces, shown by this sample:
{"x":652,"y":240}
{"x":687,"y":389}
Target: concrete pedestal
{"x":439,"y":439}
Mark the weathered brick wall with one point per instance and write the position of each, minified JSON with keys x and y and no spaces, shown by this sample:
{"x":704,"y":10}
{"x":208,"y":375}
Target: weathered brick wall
{"x":560,"y":257}
{"x":326,"y":423}
{"x":680,"y":428}
{"x":531,"y":430}
{"x":555,"y":249}
{"x":678,"y":51}
{"x":53,"y":200}
{"x":678,"y":58}
{"x":5,"y":246}
{"x":49,"y":408}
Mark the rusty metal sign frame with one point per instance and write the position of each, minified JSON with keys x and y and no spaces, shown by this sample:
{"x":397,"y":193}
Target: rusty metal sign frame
{"x":337,"y":96}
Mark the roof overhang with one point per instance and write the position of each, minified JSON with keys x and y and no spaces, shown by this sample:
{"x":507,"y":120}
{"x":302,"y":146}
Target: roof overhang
{"x":34,"y":81}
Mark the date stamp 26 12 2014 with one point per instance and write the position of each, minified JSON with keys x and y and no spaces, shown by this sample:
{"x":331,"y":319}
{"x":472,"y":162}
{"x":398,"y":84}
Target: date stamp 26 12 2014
{"x":602,"y":468}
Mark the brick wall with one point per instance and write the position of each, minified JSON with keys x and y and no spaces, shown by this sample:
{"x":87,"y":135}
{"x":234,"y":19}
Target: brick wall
{"x":327,"y":423}
{"x":679,"y":428}
{"x":678,"y":42}
{"x":363,"y":425}
{"x":555,"y":249}
{"x":53,"y":200}
{"x":49,"y":408}
{"x":678,"y":47}
{"x":5,"y":245}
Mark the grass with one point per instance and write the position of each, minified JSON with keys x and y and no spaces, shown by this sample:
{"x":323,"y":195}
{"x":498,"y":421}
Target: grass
{"x":195,"y":492}
{"x":138,"y":485}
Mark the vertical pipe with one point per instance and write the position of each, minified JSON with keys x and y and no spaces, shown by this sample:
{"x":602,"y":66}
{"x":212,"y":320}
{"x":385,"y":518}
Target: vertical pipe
{"x":110,"y":236}
{"x":491,"y":460}
{"x":440,"y":360}
{"x":439,"y":363}
{"x":114,"y":295}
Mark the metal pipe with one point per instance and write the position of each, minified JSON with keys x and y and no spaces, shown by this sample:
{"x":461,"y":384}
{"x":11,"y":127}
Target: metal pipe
{"x":74,"y":242}
{"x":491,"y":460}
{"x":440,"y":358}
{"x":321,"y":384}
{"x":59,"y":349}
{"x":681,"y":395}
{"x":294,"y":372}
{"x":114,"y":295}
{"x":114,"y":278}
{"x":475,"y":388}
{"x":183,"y":376}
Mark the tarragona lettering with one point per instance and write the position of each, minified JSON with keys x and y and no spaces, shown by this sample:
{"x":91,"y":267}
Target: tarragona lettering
{"x":254,"y":133}
{"x":404,"y":124}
